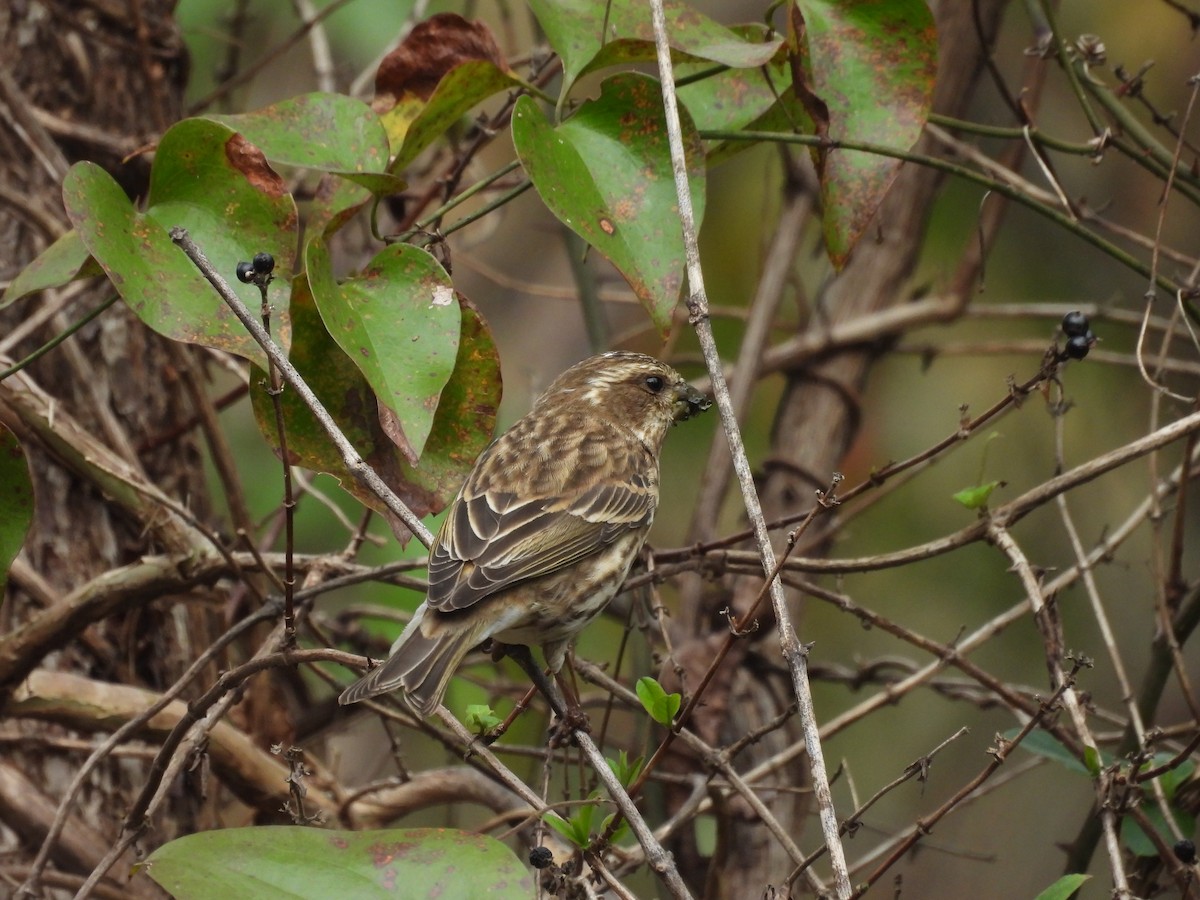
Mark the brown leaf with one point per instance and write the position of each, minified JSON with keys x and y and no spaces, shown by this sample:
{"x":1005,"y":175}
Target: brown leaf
{"x":816,"y":108}
{"x":250,"y":161}
{"x":432,"y":49}
{"x":393,"y":428}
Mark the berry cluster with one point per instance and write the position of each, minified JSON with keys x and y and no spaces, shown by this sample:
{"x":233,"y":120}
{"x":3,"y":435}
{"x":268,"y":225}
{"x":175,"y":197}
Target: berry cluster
{"x":1080,"y":339}
{"x":259,"y":268}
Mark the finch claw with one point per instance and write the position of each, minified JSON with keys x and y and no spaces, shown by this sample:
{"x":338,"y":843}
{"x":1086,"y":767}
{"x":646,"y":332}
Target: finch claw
{"x":563,"y":730}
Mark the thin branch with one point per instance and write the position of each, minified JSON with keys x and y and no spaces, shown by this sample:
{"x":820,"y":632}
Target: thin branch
{"x":999,"y":753}
{"x":794,"y":653}
{"x":918,"y":769}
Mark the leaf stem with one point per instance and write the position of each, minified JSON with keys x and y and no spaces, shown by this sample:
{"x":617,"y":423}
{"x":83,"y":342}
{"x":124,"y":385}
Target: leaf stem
{"x":57,"y":339}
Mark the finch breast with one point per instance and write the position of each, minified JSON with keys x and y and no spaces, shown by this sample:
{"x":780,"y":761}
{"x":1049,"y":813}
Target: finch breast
{"x":558,"y":607}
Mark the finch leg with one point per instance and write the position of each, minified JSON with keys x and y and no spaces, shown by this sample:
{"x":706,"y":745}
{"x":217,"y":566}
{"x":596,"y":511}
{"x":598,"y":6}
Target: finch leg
{"x":571,"y":716}
{"x":575,"y":716}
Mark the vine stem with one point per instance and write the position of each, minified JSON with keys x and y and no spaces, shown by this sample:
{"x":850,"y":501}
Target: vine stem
{"x":794,"y":652}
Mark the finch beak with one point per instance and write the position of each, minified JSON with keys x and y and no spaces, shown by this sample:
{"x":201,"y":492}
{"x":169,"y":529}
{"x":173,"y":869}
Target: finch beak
{"x":689,"y":402}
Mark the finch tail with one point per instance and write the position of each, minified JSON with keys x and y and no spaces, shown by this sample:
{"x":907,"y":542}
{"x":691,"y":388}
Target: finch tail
{"x":420,"y":664}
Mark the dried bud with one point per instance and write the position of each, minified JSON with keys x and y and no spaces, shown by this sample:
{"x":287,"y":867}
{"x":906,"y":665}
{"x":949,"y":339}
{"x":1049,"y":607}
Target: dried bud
{"x":1091,"y":49}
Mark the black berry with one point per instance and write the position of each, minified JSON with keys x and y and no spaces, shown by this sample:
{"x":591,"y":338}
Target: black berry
{"x":541,"y":857}
{"x":245,"y":272}
{"x":1078,"y":346}
{"x":1185,"y":851}
{"x":1074,"y":324}
{"x":264,"y":263}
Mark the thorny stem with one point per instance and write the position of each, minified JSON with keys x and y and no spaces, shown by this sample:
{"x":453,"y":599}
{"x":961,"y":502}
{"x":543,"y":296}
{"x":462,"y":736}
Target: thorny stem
{"x":999,"y":754}
{"x":918,"y":769}
{"x":289,"y":499}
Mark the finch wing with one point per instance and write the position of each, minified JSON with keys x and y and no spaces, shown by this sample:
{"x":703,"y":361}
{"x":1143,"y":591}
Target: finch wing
{"x":493,"y":540}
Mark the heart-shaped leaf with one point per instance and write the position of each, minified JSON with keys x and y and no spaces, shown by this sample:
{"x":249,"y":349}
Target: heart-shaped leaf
{"x":399,"y":322}
{"x":157,"y":281}
{"x":324,"y":132}
{"x":463,"y":426}
{"x":576,"y":31}
{"x":724,"y":99}
{"x":289,"y":861}
{"x":212,"y":181}
{"x":420,"y":124}
{"x":60,"y":263}
{"x":867,"y":69}
{"x":440,"y":71}
{"x":606,"y":174}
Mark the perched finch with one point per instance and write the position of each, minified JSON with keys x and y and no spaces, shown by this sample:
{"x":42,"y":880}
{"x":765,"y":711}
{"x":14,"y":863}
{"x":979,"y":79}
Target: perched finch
{"x":546,"y":527}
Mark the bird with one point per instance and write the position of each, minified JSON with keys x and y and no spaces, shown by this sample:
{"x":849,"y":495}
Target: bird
{"x":544,"y":530}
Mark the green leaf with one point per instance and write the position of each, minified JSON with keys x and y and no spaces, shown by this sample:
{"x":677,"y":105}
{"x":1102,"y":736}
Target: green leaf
{"x":419,"y":124}
{"x":1063,"y":888}
{"x":976,"y":497}
{"x":583,"y":819}
{"x":466,"y":413}
{"x":399,"y":322}
{"x":704,"y":831}
{"x":661,"y":706}
{"x":606,"y":174}
{"x":269,"y":862}
{"x":481,"y":718}
{"x":153,"y":276}
{"x":786,"y":115}
{"x":569,"y":829}
{"x":622,"y":830}
{"x":445,"y":66}
{"x":578,"y":828}
{"x":726,"y":99}
{"x":462,"y":427}
{"x":575,"y":29}
{"x":1172,"y":778}
{"x":16,"y":501}
{"x":209,"y":179}
{"x":873,"y":64}
{"x":1045,"y":744}
{"x":1132,"y":833}
{"x":1137,"y":840}
{"x":625,"y":770}
{"x":60,"y":263}
{"x":562,"y":826}
{"x":335,"y":202}
{"x":325,"y":132}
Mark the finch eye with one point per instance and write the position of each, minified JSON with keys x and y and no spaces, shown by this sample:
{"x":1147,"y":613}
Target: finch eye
{"x":655,"y":383}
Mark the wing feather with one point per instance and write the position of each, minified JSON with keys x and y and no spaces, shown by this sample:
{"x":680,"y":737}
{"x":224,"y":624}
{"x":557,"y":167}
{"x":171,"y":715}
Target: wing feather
{"x":490,"y":540}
